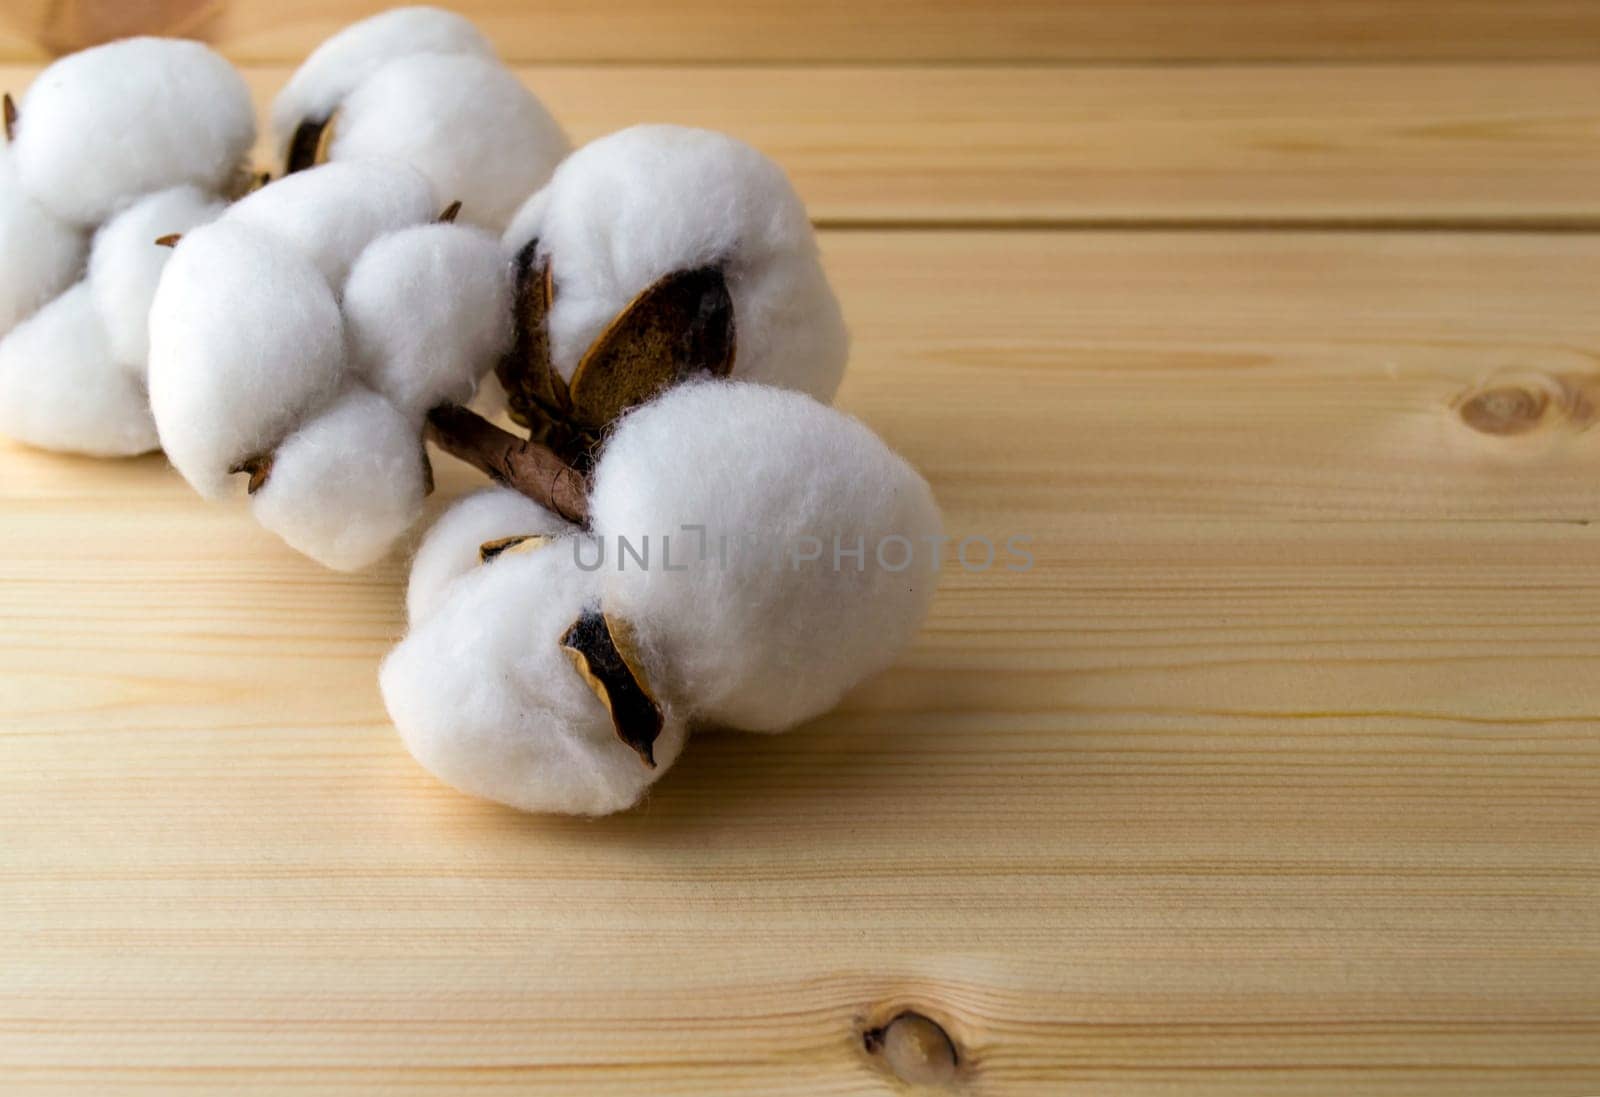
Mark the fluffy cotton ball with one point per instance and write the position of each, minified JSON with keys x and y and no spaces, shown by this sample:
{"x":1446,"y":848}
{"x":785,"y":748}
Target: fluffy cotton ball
{"x":60,"y":389}
{"x":428,"y":311}
{"x":451,"y":548}
{"x":125,"y":264}
{"x":625,"y":211}
{"x":245,"y":339}
{"x":346,"y":485}
{"x":342,"y":62}
{"x":758,"y":636}
{"x":40,"y":255}
{"x":140,"y":115}
{"x":331,"y":213}
{"x":465,"y":122}
{"x":486,"y":699}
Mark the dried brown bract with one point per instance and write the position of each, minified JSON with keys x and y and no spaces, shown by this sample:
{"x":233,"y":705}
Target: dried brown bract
{"x":310,"y":144}
{"x":510,"y":546}
{"x":602,"y":649}
{"x":258,"y":468}
{"x":681,"y":326}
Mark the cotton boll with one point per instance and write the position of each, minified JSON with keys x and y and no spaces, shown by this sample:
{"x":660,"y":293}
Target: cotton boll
{"x":120,"y":120}
{"x":428,"y":311}
{"x":763,"y":639}
{"x":125,"y":264}
{"x":245,"y":339}
{"x":331,"y":213}
{"x":40,"y":255}
{"x":346,"y":485}
{"x":625,"y":211}
{"x":487,"y":700}
{"x":60,"y":389}
{"x":337,"y":66}
{"x":451,"y":548}
{"x":465,"y":122}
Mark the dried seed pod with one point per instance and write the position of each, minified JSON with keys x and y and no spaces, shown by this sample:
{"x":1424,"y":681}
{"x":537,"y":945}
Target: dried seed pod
{"x":423,"y":87}
{"x":246,"y":340}
{"x":135,"y":139}
{"x":338,"y":279}
{"x":791,"y":553}
{"x":748,"y":641}
{"x":252,"y":182}
{"x":536,"y":396}
{"x":346,"y":484}
{"x":256,"y":469}
{"x":681,"y":326}
{"x":606,"y":656}
{"x":428,"y":312}
{"x":131,"y":118}
{"x":339,"y":65}
{"x":82,"y":391}
{"x":654,"y":203}
{"x":454,"y":544}
{"x":465,"y":122}
{"x":522,"y":542}
{"x":484,"y":696}
{"x":60,"y":388}
{"x":310,"y":144}
{"x":124,"y":267}
{"x":333,"y":213}
{"x":40,"y":254}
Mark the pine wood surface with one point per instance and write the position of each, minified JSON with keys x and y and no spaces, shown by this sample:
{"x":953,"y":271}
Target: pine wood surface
{"x":829,"y":31}
{"x":1034,"y":146}
{"x":1277,"y":773}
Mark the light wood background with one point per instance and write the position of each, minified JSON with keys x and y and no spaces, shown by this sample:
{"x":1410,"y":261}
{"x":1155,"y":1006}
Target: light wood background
{"x":1275,"y":324}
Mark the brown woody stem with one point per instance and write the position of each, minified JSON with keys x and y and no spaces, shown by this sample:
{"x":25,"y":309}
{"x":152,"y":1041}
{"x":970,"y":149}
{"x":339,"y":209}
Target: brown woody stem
{"x":519,"y":464}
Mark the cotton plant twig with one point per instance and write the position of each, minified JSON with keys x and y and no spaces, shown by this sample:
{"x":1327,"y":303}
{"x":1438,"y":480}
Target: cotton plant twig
{"x":528,"y":467}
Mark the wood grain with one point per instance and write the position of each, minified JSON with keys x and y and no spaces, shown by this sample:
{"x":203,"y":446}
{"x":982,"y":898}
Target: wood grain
{"x":952,"y":30}
{"x":1272,"y":143}
{"x":1433,"y":144}
{"x":1276,"y":773}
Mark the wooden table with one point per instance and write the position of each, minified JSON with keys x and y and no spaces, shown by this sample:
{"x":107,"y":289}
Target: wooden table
{"x":1276,"y":325}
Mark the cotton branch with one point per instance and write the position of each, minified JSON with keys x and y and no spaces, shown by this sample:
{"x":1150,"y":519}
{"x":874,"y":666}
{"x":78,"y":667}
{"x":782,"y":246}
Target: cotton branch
{"x":522,"y":465}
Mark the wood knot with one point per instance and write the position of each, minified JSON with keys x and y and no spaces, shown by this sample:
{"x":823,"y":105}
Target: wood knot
{"x":915,"y":1048}
{"x":1505,"y":410}
{"x":1513,"y":403}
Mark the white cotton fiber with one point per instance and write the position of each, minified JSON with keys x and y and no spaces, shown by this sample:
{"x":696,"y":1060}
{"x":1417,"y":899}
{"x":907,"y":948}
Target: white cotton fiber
{"x":125,"y":264}
{"x":101,"y":127}
{"x":486,"y":699}
{"x":60,"y":390}
{"x":245,"y":340}
{"x":348,"y":484}
{"x":768,"y":638}
{"x":625,"y":211}
{"x":337,"y":66}
{"x":465,"y":122}
{"x":428,"y":310}
{"x":40,"y":255}
{"x":451,"y":548}
{"x":332,"y":212}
